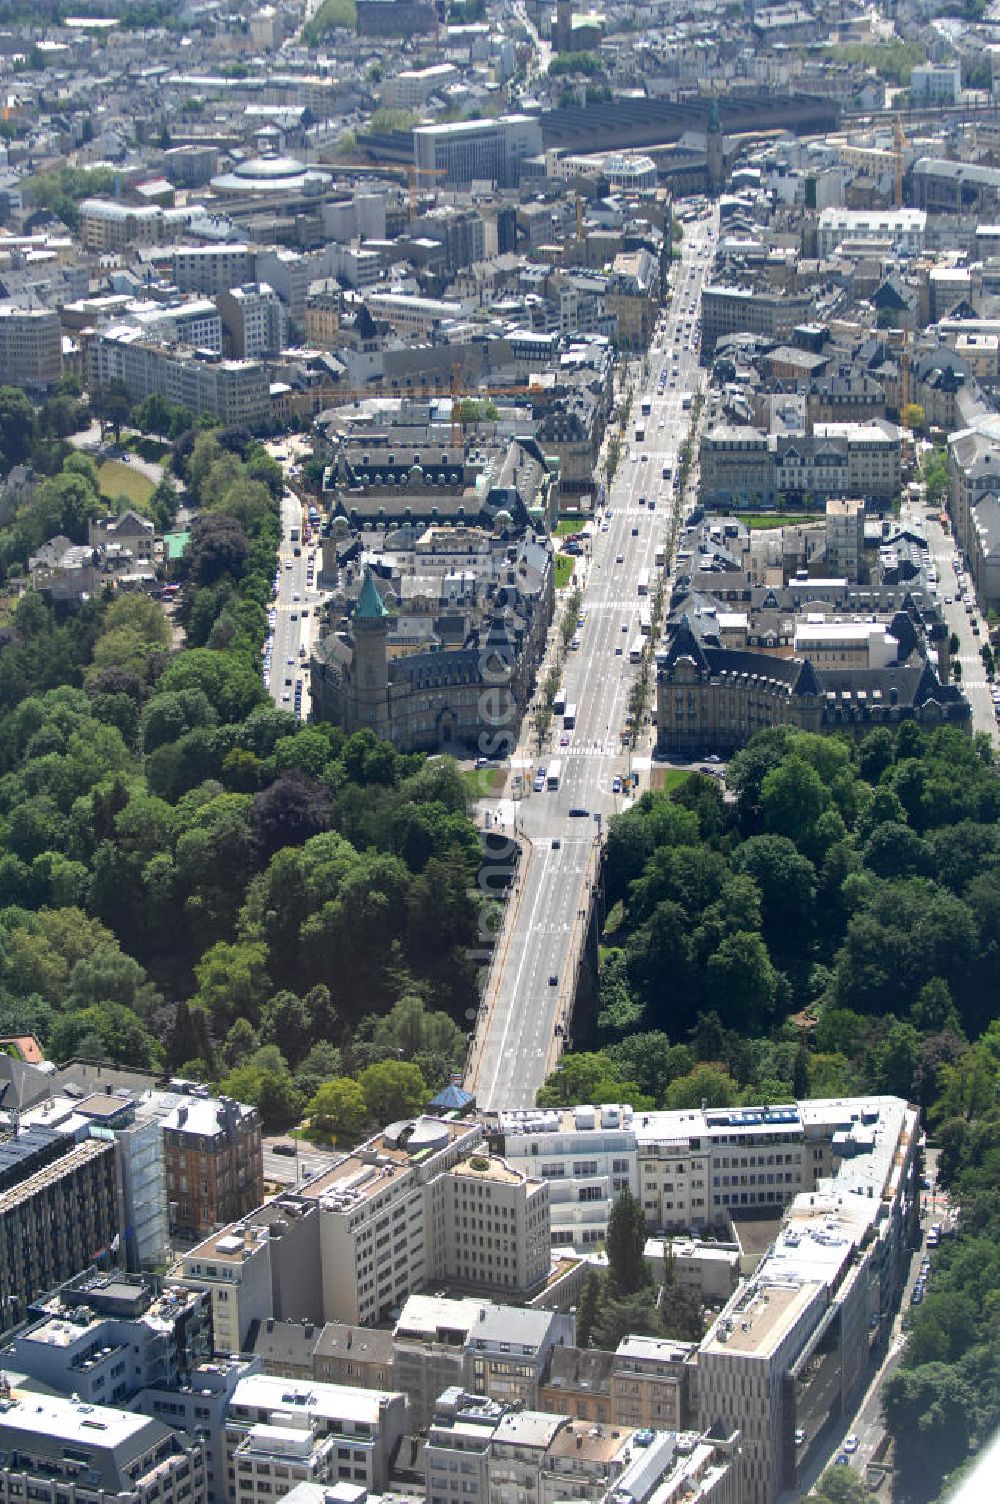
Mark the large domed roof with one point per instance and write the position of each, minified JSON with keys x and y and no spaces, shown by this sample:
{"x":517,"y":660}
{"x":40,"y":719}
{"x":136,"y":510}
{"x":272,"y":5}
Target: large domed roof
{"x":269,"y":167}
{"x":271,"y":173}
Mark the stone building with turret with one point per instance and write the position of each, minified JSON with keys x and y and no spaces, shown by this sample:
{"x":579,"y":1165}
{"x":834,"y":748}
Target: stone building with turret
{"x":453,"y":673}
{"x":714,"y":698}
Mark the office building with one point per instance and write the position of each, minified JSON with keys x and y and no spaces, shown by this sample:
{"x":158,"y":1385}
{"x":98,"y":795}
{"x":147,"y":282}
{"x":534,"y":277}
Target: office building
{"x":234,"y":391}
{"x":309,"y":1432}
{"x":234,"y":1268}
{"x":586,"y":1154}
{"x":211,"y":269}
{"x":195,"y":323}
{"x":745,"y":310}
{"x":415,"y":1204}
{"x":902,"y":229}
{"x":496,"y":1226}
{"x":54,"y":1449}
{"x":60,"y":1209}
{"x":467,"y":151}
{"x":30,"y":347}
{"x":107,"y":225}
{"x":793,"y":1345}
{"x":936,"y":83}
{"x":106,"y":1336}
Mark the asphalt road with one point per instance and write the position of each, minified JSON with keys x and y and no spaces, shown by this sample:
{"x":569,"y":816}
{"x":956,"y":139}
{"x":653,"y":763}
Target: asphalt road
{"x":282,"y":1169}
{"x":943,"y":551}
{"x":533,"y":983}
{"x":290,"y":630}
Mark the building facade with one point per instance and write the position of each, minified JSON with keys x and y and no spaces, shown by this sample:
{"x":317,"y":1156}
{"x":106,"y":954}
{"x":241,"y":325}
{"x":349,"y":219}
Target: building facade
{"x":55,"y":1220}
{"x":214,"y":1162}
{"x":30,"y":347}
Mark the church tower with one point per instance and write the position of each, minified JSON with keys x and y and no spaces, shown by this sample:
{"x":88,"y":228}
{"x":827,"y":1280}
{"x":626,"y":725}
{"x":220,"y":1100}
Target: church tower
{"x":370,"y":670}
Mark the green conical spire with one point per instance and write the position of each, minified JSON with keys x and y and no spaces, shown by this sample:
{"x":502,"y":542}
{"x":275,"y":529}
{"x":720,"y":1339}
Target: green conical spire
{"x":371,"y":606}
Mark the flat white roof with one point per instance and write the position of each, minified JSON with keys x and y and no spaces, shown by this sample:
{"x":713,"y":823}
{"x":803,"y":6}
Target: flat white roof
{"x":68,"y":1420}
{"x":304,"y":1397}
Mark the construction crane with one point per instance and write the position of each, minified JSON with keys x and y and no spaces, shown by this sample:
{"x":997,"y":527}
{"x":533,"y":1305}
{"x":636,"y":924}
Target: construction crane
{"x":898,"y":146}
{"x":396,"y":170}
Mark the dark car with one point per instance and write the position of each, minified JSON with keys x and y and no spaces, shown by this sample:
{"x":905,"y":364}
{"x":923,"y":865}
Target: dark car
{"x":553,"y":980}
{"x":288,"y":1149}
{"x":579,"y":814}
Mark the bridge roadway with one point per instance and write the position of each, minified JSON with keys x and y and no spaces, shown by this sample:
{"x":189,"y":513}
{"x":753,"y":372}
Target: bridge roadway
{"x":530,"y":991}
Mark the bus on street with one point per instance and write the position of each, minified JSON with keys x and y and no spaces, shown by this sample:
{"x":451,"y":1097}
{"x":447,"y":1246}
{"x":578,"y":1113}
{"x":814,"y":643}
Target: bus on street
{"x":569,"y":717}
{"x":554,"y":774}
{"x":635,"y":651}
{"x":643,"y":581}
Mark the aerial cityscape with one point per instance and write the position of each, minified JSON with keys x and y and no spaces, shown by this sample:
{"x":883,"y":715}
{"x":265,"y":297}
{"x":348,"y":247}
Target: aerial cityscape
{"x":499,"y":752}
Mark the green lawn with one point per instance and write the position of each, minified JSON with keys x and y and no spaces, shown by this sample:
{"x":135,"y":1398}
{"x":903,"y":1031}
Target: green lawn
{"x":124,"y":480}
{"x":757,"y":521}
{"x":665,"y":780}
{"x":485,"y":783}
{"x":565,"y":566}
{"x":567,"y":525}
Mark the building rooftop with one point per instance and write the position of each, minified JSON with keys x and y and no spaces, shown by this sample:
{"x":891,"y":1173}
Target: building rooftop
{"x":529,"y":1428}
{"x":590,"y":1443}
{"x":264,"y":1392}
{"x":761,"y":1317}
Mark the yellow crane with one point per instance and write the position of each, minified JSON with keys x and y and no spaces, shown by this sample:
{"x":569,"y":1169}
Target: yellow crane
{"x":396,"y":170}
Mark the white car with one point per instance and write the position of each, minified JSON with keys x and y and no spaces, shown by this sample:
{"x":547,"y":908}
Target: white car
{"x":851,"y":1445}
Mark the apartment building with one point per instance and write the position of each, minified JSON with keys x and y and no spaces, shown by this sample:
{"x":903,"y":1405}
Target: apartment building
{"x":974,"y":479}
{"x":794,"y":1344}
{"x":467,"y":151}
{"x":211,"y":269}
{"x":104,"y":1337}
{"x":509,"y":1351}
{"x":214,"y":1162}
{"x":586,"y":1155}
{"x":60,"y":1209}
{"x":52,"y":1449}
{"x":845,"y":537}
{"x":30,"y":347}
{"x":280,"y":1432}
{"x":651,"y":1380}
{"x":254,"y":320}
{"x":482,"y":1452}
{"x":430,"y":1343}
{"x":234,"y":1268}
{"x":108,"y":225}
{"x":234,"y":391}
